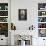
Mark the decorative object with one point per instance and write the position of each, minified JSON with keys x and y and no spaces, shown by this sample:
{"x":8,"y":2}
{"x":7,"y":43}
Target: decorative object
{"x":3,"y":19}
{"x":42,"y":32}
{"x":31,"y":27}
{"x":41,"y":6}
{"x":3,"y":13}
{"x":41,"y":19}
{"x":40,"y":25}
{"x":4,"y":29}
{"x":13,"y":27}
{"x":6,"y":7}
{"x":43,"y":13}
{"x":22,"y":14}
{"x":23,"y":40}
{"x":22,"y":43}
{"x":26,"y":38}
{"x":0,"y":7}
{"x":3,"y":6}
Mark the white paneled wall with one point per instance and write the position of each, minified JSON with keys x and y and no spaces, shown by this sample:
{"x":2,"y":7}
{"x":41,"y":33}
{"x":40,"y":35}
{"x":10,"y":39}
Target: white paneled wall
{"x":32,"y":14}
{"x":21,"y":25}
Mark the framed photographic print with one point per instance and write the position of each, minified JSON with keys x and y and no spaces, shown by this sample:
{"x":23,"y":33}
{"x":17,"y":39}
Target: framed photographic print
{"x":22,"y":14}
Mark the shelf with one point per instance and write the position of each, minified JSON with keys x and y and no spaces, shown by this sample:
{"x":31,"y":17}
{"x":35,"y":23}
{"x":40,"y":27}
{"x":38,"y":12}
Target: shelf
{"x":41,"y":28}
{"x":4,"y":19}
{"x":41,"y":22}
{"x":41,"y":10}
{"x":3,"y":16}
{"x":3,"y":22}
{"x":3,"y":10}
{"x":42,"y":16}
{"x":42,"y":19}
{"x":42,"y":37}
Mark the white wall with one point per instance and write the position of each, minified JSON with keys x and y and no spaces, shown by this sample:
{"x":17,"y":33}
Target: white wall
{"x":31,"y":6}
{"x":32,"y":14}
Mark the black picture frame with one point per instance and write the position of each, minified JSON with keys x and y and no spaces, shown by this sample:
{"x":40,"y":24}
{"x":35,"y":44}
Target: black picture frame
{"x":22,"y":14}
